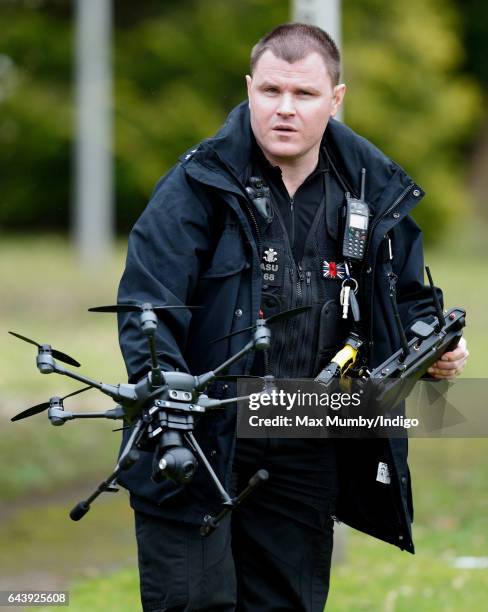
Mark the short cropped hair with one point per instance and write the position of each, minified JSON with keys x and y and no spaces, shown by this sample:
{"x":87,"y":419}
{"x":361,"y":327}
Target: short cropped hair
{"x":294,"y":41}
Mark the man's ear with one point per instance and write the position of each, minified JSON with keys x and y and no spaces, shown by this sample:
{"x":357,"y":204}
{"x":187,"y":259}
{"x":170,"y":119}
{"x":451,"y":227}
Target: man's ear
{"x":248,"y":83}
{"x":338,"y":98}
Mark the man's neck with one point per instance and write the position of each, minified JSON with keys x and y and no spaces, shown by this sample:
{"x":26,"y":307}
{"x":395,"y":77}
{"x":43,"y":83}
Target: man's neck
{"x":295,"y":171}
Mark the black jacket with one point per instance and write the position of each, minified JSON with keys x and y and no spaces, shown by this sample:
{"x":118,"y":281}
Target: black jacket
{"x":195,"y":244}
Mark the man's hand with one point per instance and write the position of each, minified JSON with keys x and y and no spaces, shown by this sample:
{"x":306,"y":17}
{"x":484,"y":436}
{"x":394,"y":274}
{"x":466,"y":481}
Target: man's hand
{"x":451,"y":364}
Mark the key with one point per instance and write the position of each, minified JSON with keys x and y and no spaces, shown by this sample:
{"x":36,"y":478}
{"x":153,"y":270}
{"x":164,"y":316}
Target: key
{"x":344,"y":299}
{"x":353,"y":302}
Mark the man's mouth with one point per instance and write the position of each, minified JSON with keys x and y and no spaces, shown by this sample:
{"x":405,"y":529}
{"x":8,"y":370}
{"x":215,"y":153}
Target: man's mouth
{"x":283,"y":128}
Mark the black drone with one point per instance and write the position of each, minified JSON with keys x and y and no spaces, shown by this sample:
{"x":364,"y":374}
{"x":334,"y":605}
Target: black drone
{"x":160,"y":409}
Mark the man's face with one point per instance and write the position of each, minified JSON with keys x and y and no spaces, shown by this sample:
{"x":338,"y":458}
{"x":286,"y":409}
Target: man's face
{"x":290,"y":105}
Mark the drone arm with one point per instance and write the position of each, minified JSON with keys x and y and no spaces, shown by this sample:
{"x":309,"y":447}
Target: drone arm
{"x":116,"y":392}
{"x":208,"y":404}
{"x":156,"y":371}
{"x":149,"y":324}
{"x":84,"y":379}
{"x":205,"y":379}
{"x":114,"y":413}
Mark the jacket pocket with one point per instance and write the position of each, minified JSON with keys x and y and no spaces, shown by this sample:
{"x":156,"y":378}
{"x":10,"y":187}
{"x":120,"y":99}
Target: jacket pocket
{"x":223,"y":290}
{"x":228,"y":258}
{"x":332,"y":333}
{"x":271,"y":303}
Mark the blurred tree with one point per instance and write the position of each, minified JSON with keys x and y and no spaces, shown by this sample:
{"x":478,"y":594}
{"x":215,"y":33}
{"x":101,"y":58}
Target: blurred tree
{"x":177,"y":77}
{"x":407,"y":95}
{"x":179,"y":69}
{"x":473,"y":15}
{"x":35,"y":114}
{"x":474,"y":18}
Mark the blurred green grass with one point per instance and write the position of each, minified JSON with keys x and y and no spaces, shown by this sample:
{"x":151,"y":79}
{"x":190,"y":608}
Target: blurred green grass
{"x":42,"y":542}
{"x":463,"y":278}
{"x":45,"y":296}
{"x":450,"y":478}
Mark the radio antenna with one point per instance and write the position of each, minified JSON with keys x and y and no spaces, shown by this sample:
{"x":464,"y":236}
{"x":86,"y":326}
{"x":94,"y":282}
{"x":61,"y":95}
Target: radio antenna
{"x":363,"y":182}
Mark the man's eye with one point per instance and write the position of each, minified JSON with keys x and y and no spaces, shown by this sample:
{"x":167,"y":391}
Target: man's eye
{"x":304,"y":93}
{"x":271,"y":90}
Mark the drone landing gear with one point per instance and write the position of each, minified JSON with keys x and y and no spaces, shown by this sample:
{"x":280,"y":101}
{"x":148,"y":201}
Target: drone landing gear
{"x":176,"y":462}
{"x":128,"y":457}
{"x":210,"y":523}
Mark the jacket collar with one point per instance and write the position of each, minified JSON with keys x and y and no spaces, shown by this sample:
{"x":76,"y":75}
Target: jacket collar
{"x":223,"y":161}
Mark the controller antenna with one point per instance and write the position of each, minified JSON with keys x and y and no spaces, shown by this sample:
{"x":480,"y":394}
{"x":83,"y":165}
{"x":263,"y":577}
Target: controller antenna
{"x":438,"y":309}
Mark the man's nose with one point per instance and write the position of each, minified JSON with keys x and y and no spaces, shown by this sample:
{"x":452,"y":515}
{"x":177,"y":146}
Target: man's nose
{"x":286,"y":106}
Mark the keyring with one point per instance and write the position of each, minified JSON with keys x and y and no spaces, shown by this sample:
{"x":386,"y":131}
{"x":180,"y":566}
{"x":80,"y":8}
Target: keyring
{"x":351,"y":279}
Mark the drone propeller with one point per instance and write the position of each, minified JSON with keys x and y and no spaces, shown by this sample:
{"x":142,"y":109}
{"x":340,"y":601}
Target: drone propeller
{"x":136,"y":308}
{"x":55,"y":353}
{"x":45,"y":405}
{"x":280,"y":316}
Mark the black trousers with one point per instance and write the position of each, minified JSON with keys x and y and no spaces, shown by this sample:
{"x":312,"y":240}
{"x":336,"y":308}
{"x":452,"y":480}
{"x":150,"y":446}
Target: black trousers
{"x":272,"y":555}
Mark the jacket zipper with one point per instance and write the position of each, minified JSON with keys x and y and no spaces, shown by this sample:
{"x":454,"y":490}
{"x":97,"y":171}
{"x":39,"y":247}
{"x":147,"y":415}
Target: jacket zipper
{"x":285,"y":356}
{"x":259,"y":241}
{"x":387,"y":212}
{"x":292,"y":212}
{"x":304,"y":360}
{"x":392,"y":279}
{"x":299,"y":281}
{"x":399,"y":199}
{"x":247,"y":202}
{"x":301,"y":360}
{"x":300,"y":278}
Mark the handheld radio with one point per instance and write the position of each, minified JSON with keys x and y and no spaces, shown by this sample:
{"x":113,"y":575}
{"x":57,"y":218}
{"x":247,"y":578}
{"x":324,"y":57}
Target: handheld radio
{"x":356,"y":224}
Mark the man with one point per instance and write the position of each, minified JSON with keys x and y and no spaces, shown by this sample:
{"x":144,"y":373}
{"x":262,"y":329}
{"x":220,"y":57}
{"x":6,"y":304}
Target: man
{"x":204,"y":240}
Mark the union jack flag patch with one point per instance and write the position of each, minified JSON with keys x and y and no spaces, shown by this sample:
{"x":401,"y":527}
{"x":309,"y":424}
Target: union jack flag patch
{"x":331,"y":269}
